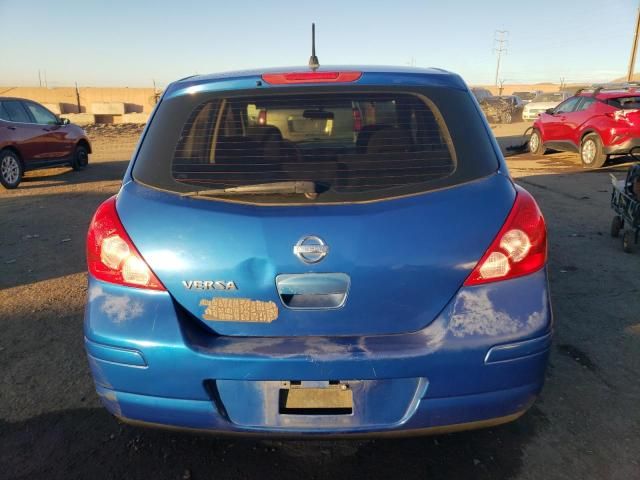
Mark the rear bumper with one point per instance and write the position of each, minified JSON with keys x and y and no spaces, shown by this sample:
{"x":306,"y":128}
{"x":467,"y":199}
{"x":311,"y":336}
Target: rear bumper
{"x":433,"y":416}
{"x":481,"y":362}
{"x":530,"y":115}
{"x":623,"y":148}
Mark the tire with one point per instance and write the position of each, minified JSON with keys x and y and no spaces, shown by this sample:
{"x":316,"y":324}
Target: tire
{"x":11,"y":169}
{"x":80,"y":158}
{"x":591,"y":152}
{"x":535,"y":143}
{"x":616,"y":225}
{"x":628,"y":241}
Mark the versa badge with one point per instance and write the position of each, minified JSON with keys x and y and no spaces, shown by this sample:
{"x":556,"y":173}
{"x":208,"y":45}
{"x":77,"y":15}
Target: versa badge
{"x":209,"y":285}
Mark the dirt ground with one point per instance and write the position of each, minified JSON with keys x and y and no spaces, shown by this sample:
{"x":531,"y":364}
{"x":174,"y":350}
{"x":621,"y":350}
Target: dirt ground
{"x":586,"y":425}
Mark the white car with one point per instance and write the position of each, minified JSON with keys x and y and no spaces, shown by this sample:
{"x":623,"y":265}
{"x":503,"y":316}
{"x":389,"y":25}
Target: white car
{"x":542,"y":103}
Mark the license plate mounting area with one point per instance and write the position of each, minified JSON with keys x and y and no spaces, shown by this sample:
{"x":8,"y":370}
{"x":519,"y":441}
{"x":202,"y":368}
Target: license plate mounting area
{"x":315,"y":398}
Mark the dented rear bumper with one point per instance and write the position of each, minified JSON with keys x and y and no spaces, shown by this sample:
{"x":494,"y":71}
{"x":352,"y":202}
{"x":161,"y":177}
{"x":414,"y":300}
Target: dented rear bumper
{"x":481,"y":361}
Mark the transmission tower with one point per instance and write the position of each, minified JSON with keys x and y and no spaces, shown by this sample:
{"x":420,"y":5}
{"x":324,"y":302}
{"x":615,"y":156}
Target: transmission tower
{"x":501,"y":43}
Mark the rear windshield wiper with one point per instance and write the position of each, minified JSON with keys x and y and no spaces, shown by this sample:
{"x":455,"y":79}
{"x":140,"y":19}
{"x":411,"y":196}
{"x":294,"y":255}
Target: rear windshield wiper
{"x":308,"y":189}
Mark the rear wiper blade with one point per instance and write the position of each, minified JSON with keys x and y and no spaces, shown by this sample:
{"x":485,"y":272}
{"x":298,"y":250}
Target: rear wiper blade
{"x":308,"y":189}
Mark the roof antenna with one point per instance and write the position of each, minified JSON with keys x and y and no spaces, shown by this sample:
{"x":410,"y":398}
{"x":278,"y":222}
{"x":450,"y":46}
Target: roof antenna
{"x":314,"y":64}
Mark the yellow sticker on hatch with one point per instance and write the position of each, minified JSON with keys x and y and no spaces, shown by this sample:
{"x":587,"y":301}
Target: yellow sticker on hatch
{"x":239,"y":310}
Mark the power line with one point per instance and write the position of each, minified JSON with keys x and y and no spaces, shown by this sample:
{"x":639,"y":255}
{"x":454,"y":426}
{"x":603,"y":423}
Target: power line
{"x":501,"y":43}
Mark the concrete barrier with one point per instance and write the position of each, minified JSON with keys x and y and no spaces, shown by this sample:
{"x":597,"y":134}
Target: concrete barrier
{"x":107,"y":108}
{"x":53,"y":107}
{"x":79,"y":118}
{"x":131,"y":118}
{"x":135,"y":99}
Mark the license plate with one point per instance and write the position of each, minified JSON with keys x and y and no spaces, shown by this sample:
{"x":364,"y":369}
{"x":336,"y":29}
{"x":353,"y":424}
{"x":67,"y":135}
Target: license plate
{"x":329,"y":400}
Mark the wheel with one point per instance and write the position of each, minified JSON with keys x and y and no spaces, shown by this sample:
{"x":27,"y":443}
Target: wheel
{"x":616,"y":225}
{"x":591,"y":152}
{"x":628,"y":241}
{"x":11,"y":169}
{"x":506,"y":117}
{"x":535,"y":143}
{"x":80,"y":158}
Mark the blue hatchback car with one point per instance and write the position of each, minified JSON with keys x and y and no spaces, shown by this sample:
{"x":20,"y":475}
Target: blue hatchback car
{"x":338,"y":251}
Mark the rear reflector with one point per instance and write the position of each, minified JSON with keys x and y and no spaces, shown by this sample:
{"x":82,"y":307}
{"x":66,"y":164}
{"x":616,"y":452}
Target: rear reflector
{"x":112,"y":256}
{"x":310,"y":77}
{"x":519,"y":249}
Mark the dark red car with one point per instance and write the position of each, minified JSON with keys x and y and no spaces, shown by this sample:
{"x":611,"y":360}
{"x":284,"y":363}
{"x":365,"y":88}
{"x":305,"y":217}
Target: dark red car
{"x":597,"y":123}
{"x":33,"y":137}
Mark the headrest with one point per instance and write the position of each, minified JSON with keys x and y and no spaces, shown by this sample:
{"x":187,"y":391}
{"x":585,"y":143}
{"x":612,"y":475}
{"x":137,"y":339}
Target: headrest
{"x":390,"y":140}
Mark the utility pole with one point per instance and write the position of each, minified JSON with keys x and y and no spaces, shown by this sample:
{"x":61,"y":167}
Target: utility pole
{"x":78,"y":98}
{"x":39,"y":78}
{"x":156,"y":94}
{"x":634,"y":49}
{"x":501,"y":43}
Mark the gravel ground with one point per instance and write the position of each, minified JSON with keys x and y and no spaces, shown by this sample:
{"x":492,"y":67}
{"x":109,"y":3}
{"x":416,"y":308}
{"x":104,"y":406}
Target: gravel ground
{"x":586,"y":424}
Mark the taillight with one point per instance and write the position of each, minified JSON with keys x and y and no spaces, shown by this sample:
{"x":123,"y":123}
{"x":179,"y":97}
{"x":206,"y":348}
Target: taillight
{"x":519,"y":249}
{"x":357,"y":120}
{"x":310,"y":77}
{"x":262,"y":117}
{"x":621,"y":115}
{"x":112,"y":256}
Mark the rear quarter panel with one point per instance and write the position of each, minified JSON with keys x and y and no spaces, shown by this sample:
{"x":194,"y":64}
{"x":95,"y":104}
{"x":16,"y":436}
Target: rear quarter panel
{"x":598,"y":123}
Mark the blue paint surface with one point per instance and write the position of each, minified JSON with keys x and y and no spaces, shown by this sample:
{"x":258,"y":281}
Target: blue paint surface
{"x":416,"y":348}
{"x":448,"y":356}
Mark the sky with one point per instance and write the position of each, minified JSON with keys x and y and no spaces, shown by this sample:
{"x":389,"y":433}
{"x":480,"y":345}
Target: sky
{"x":134,"y":43}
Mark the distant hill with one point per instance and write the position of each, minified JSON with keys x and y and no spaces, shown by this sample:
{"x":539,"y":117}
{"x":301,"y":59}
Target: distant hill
{"x":634,"y":78}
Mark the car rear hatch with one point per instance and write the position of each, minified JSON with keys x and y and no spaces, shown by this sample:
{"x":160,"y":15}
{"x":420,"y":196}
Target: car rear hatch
{"x":627,"y":109}
{"x":384,"y":201}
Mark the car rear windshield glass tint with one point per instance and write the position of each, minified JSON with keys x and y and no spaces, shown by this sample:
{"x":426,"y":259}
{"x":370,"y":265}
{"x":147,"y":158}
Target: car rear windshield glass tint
{"x":353,"y":146}
{"x":344,"y":143}
{"x":625,"y":103}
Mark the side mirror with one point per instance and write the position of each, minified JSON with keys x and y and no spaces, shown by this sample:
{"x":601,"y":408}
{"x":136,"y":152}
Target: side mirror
{"x":63,"y":121}
{"x":550,"y":111}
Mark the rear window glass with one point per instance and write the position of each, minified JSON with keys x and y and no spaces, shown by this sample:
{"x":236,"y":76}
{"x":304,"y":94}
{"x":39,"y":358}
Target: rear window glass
{"x":351,"y":146}
{"x":525,"y":95}
{"x":625,"y":103}
{"x":550,"y":97}
{"x":481,"y":93}
{"x":341,"y":142}
{"x":16,"y":112}
{"x":3,"y":113}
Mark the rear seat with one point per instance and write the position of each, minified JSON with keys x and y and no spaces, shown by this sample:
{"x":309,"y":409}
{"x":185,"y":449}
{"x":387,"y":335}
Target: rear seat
{"x":390,"y":140}
{"x":258,"y":146}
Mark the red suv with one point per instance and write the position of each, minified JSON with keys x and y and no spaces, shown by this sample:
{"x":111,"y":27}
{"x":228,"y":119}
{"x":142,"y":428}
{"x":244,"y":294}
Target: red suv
{"x":597,"y":123}
{"x":33,"y":137}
